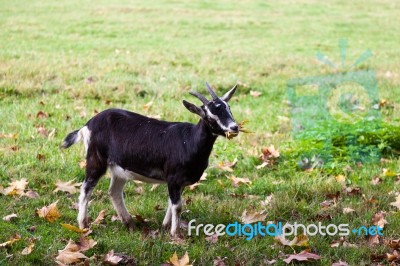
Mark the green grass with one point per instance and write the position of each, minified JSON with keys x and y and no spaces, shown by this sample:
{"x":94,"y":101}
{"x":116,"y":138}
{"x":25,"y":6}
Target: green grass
{"x":70,"y":59}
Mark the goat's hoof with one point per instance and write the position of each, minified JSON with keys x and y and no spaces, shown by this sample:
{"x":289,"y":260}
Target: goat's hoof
{"x":130,"y":225}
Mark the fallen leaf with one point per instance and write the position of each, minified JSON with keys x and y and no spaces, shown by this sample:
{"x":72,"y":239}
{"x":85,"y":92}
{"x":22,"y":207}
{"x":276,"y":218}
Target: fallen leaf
{"x":341,"y":179}
{"x":175,"y":261}
{"x":13,"y":239}
{"x":379,"y":219}
{"x":242,"y":127}
{"x":227,"y":166}
{"x":218,"y":261}
{"x":212,"y":239}
{"x":300,"y":241}
{"x":8,"y":136}
{"x":302,"y":256}
{"x":112,"y":259}
{"x":340,"y":263}
{"x":353,"y":191}
{"x":192,"y":187}
{"x":327,"y":203}
{"x":253,"y":216}
{"x":9,"y":217}
{"x":115,"y":218}
{"x":154,"y":186}
{"x":388,"y":173}
{"x":49,"y":213}
{"x":376,"y":180}
{"x":373,"y":240}
{"x":396,"y":203}
{"x":16,"y":187}
{"x":42,"y":114}
{"x":100,"y":217}
{"x":68,"y":186}
{"x":28,"y":250}
{"x":139,"y":190}
{"x":268,"y":199}
{"x":31,"y":194}
{"x":394,"y":257}
{"x":203,"y":177}
{"x":42,"y":131}
{"x":393,"y":243}
{"x":40,"y":157}
{"x":269,"y":156}
{"x":82,"y":164}
{"x":147,"y":106}
{"x":348,"y":210}
{"x":74,"y":228}
{"x":255,"y":94}
{"x":86,"y":243}
{"x":236,"y":181}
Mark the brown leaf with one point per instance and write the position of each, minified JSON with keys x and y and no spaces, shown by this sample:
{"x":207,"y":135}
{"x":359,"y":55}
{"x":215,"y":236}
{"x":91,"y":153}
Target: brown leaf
{"x":69,"y":186}
{"x":376,"y":180}
{"x":373,"y":240}
{"x":147,"y":106}
{"x":49,"y":213}
{"x":42,"y":114}
{"x":255,"y":94}
{"x":85,"y":243}
{"x":13,"y":239}
{"x":347,"y":210}
{"x":8,"y":136}
{"x":10,"y":217}
{"x":42,"y":131}
{"x":31,"y":194}
{"x":82,"y":164}
{"x":302,"y":256}
{"x":212,"y":239}
{"x":340,"y":263}
{"x":218,"y":261}
{"x":396,"y":203}
{"x":253,"y":216}
{"x":100,"y":217}
{"x":269,"y":156}
{"x":227,"y":166}
{"x":300,"y":241}
{"x":236,"y":181}
{"x":353,"y":191}
{"x":28,"y":250}
{"x":393,"y":243}
{"x":139,"y":190}
{"x":175,"y":261}
{"x":192,"y":187}
{"x":395,"y":256}
{"x":379,"y":219}
{"x":327,"y":203}
{"x":40,"y":157}
{"x":267,"y":202}
{"x":16,"y":187}
{"x":112,"y":259}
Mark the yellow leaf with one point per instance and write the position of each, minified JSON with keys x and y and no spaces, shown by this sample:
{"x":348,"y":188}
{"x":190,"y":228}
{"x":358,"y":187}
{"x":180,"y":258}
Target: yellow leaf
{"x":28,"y":250}
{"x":13,"y":239}
{"x":74,"y":228}
{"x":16,"y":187}
{"x":184,"y":261}
{"x":341,"y":179}
{"x":49,"y":213}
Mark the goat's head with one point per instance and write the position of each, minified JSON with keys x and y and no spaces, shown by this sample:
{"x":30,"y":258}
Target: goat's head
{"x":216,"y":113}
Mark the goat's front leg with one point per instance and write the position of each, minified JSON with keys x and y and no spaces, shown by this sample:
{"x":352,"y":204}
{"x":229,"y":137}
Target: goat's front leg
{"x":117,"y":198}
{"x":174,"y":208}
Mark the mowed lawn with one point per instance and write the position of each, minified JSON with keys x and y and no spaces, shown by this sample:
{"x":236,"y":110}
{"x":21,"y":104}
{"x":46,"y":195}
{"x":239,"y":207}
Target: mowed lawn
{"x":62,"y":61}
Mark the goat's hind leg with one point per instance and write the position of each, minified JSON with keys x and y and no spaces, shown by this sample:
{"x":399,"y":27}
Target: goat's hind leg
{"x":117,"y":198}
{"x":175,"y":208}
{"x":95,"y":168}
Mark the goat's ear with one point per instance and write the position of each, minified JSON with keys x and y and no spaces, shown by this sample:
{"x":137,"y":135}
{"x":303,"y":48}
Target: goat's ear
{"x":193,"y":108}
{"x":227,"y":96}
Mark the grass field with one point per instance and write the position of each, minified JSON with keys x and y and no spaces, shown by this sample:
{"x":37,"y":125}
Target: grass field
{"x":63,"y":61}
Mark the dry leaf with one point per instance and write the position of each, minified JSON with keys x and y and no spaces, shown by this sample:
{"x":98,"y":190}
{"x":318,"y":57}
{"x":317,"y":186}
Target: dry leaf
{"x":112,"y":259}
{"x":341,"y":179}
{"x":49,"y":213}
{"x":28,"y":250}
{"x":100,"y":217}
{"x":300,"y":241}
{"x":42,"y":131}
{"x":269,"y":156}
{"x":379,"y":219}
{"x":86,"y":243}
{"x":16,"y":187}
{"x":376,"y":180}
{"x":82,"y":164}
{"x":74,"y":228}
{"x":13,"y":239}
{"x":302,"y":256}
{"x":9,"y":217}
{"x":394,"y":257}
{"x":373,"y":240}
{"x":255,"y":94}
{"x":236,"y":181}
{"x":340,"y":263}
{"x":353,"y":191}
{"x":348,"y":210}
{"x":31,"y":194}
{"x":218,"y":261}
{"x":68,"y":186}
{"x":266,"y":203}
{"x":154,"y":186}
{"x":396,"y":203}
{"x":192,"y":187}
{"x":252,"y":217}
{"x":9,"y":136}
{"x":227,"y":166}
{"x":42,"y":114}
{"x":147,"y":106}
{"x":212,"y":239}
{"x":175,"y":261}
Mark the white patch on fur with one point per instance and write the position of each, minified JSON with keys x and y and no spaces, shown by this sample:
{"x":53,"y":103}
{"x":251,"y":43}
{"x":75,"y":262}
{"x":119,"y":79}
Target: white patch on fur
{"x":83,"y":207}
{"x":216,"y":118}
{"x":84,"y":135}
{"x":128,"y":175}
{"x":168,"y":215}
{"x":176,"y":212}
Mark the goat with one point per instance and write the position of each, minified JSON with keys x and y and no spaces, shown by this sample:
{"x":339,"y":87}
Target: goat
{"x":133,"y":146}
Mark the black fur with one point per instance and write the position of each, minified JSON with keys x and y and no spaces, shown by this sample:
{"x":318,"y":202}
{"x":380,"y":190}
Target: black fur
{"x":70,"y":139}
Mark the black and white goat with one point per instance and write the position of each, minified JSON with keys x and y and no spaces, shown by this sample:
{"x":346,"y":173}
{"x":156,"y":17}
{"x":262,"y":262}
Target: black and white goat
{"x":137,"y":147}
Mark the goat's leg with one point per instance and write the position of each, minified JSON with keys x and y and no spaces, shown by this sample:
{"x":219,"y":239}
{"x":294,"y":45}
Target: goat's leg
{"x":168,"y":215}
{"x":117,"y":198}
{"x":176,"y":207}
{"x":95,"y":168}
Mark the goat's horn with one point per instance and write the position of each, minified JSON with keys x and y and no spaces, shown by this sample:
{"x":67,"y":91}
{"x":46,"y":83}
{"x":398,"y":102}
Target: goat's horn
{"x":200,"y":97}
{"x":211,"y":91}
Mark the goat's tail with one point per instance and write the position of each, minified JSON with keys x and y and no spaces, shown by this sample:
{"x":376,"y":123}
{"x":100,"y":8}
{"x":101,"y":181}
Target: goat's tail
{"x":71,"y":139}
